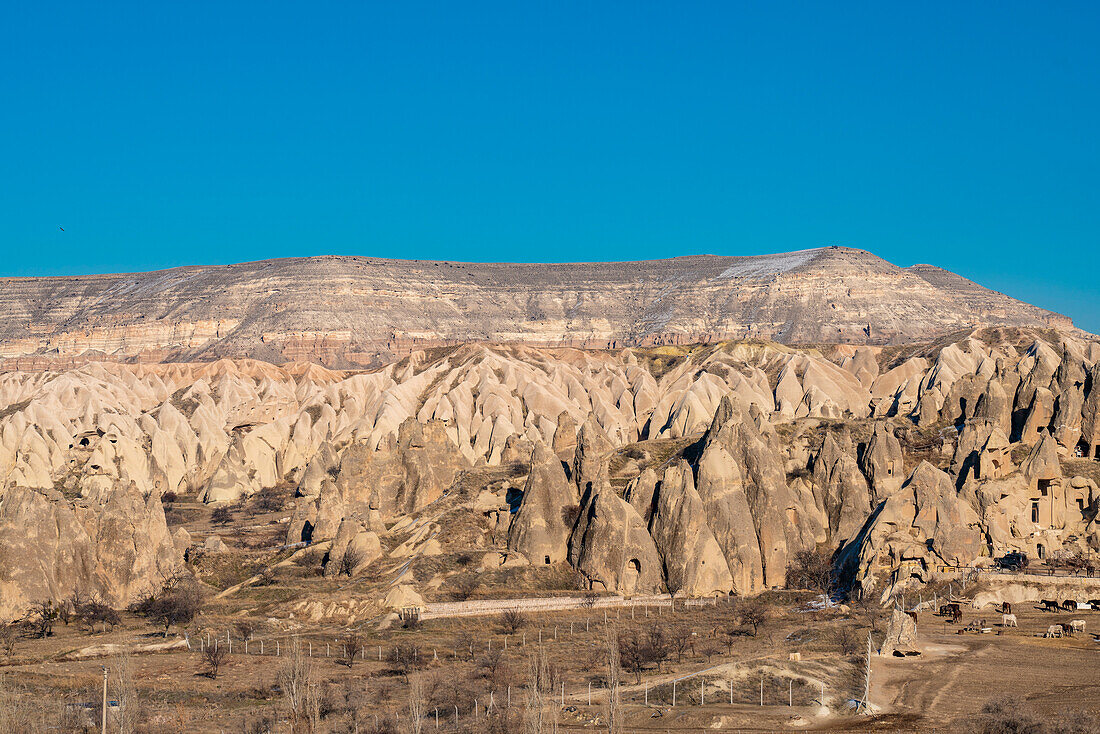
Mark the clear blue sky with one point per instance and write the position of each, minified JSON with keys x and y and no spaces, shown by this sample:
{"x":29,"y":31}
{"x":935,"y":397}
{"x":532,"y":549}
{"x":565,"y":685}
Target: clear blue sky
{"x":160,"y":134}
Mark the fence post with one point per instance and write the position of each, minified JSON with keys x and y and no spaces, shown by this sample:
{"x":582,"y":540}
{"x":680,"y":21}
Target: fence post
{"x":563,"y":694}
{"x":702,"y":693}
{"x":731,"y":691}
{"x":277,"y":653}
{"x":790,"y":693}
{"x":674,"y":694}
{"x":761,"y":688}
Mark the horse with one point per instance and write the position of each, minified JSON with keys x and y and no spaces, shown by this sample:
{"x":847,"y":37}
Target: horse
{"x":951,"y":611}
{"x":1069,"y":605}
{"x":1008,"y":620}
{"x":1054,"y":630}
{"x":1049,"y":605}
{"x":1094,"y":603}
{"x":1006,"y":608}
{"x":1077,"y":625}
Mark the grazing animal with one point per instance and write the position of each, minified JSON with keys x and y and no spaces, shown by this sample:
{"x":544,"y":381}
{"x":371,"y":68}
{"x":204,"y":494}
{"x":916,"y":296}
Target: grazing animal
{"x":1006,"y":608}
{"x":1049,"y":605}
{"x":1069,"y":605}
{"x":913,"y":615}
{"x":1054,"y":630}
{"x":1008,"y":620}
{"x":1094,"y":603}
{"x":1077,"y":625}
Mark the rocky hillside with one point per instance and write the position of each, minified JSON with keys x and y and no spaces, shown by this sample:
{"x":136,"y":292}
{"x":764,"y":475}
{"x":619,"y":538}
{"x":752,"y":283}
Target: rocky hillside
{"x":346,"y":312}
{"x":705,"y":469}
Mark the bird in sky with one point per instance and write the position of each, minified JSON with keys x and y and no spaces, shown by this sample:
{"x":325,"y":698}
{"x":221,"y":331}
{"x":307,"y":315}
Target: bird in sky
{"x":61,"y":228}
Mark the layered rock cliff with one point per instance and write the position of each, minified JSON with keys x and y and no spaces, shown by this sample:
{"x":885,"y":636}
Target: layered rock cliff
{"x":355,"y":311}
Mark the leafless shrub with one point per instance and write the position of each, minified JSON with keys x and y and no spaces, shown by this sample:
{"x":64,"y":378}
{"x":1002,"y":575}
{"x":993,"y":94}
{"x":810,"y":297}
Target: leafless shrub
{"x":811,"y":569}
{"x":512,"y":621}
{"x":246,"y":628}
{"x":349,"y":562}
{"x":169,"y":497}
{"x":1006,"y":716}
{"x":589,"y":600}
{"x":178,"y":602}
{"x":353,"y":647}
{"x":658,"y":645}
{"x":846,"y":640}
{"x":213,"y":656}
{"x":633,"y":654}
{"x":9,"y":635}
{"x":493,"y":666}
{"x":464,"y":586}
{"x":221,"y":516}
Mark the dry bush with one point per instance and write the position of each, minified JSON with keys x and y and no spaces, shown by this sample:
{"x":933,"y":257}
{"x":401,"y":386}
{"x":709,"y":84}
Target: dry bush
{"x":464,"y":586}
{"x":9,"y":635}
{"x":246,"y":628}
{"x":353,"y":647}
{"x":349,"y":561}
{"x":846,"y":640}
{"x":213,"y":656}
{"x":178,"y":602}
{"x":169,"y":497}
{"x":512,"y":620}
{"x":221,"y":516}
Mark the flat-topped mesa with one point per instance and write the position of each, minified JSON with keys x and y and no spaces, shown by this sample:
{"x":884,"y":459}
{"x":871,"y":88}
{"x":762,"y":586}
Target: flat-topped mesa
{"x":359,"y":311}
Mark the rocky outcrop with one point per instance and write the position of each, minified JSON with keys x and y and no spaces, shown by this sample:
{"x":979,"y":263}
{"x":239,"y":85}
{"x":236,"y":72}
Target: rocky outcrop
{"x":883,"y":463}
{"x":923,"y":525}
{"x":841,"y":487}
{"x":694,"y":563}
{"x":539,"y":529}
{"x":611,"y":547}
{"x":53,"y":547}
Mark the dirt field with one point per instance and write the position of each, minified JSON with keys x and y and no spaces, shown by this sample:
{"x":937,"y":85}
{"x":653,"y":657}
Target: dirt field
{"x":942,"y":690}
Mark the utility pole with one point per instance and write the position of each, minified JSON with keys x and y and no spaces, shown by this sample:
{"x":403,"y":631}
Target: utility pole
{"x":104,"y":720}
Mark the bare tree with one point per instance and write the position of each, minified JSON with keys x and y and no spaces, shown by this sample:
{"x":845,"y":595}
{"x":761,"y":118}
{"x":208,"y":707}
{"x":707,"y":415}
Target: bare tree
{"x":178,"y":602}
{"x":246,"y":628}
{"x":42,"y":615}
{"x":614,"y":707}
{"x":540,"y":713}
{"x":633,"y":655}
{"x":417,"y":706}
{"x":813,"y":570}
{"x":754,"y":613}
{"x":493,"y":666}
{"x":129,"y":707}
{"x":213,"y":656}
{"x":658,"y":645}
{"x":679,"y":640}
{"x":350,"y":561}
{"x":300,"y":690}
{"x":353,"y":646}
{"x":464,"y":586}
{"x":512,"y":620}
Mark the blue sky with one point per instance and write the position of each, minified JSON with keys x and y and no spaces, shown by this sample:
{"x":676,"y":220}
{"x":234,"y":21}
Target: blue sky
{"x":161,"y":134}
